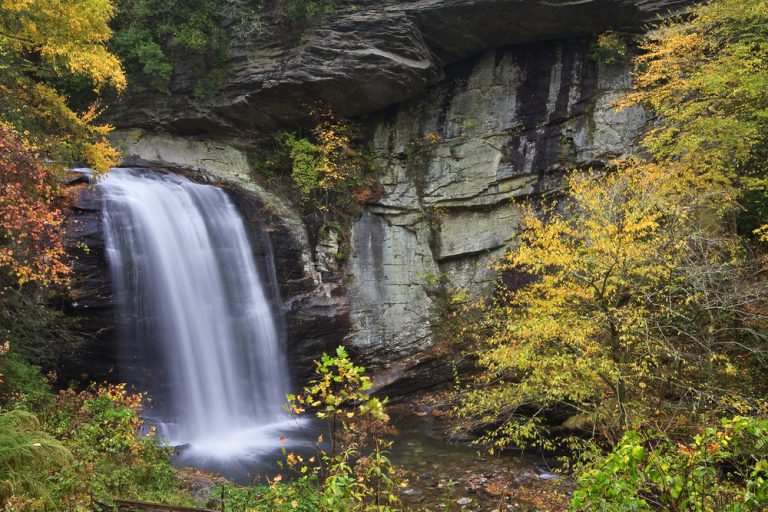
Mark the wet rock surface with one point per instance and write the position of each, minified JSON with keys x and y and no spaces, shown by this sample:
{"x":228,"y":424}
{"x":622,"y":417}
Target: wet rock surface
{"x":315,"y":315}
{"x":89,"y":296}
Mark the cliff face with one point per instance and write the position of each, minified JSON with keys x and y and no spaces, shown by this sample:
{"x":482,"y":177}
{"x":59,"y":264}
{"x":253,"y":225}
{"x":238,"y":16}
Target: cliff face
{"x":368,"y":55}
{"x":502,"y":127}
{"x":470,"y":104}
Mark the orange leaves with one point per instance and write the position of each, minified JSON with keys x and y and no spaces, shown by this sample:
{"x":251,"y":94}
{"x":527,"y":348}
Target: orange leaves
{"x":31,"y":249}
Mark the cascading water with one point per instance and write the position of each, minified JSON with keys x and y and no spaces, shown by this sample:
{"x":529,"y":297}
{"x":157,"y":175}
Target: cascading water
{"x":190,"y":294}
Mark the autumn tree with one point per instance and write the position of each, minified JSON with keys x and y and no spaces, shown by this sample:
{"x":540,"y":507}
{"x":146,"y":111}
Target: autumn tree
{"x":49,"y":50}
{"x":30,"y":244}
{"x":638,"y":306}
{"x":643,"y":306}
{"x":705,"y":75}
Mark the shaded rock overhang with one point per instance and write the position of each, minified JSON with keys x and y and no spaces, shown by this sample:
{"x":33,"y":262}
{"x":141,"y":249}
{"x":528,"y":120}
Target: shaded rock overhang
{"x":368,"y":55}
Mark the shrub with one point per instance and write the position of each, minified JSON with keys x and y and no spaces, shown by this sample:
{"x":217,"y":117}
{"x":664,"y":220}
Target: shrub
{"x":609,"y":49}
{"x":722,"y":468}
{"x":86,"y":449}
{"x":114,"y":460}
{"x":326,"y":162}
{"x":356,"y":474}
{"x":22,"y":382}
{"x":301,"y":495}
{"x":330,"y":173}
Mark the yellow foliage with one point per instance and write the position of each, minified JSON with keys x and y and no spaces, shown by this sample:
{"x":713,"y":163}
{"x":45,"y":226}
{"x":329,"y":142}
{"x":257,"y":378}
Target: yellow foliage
{"x":41,"y":43}
{"x":68,"y":34}
{"x":705,"y":77}
{"x":615,"y":273}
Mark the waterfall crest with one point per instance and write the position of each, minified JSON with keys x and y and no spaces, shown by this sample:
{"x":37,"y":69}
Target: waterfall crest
{"x":190,"y":294}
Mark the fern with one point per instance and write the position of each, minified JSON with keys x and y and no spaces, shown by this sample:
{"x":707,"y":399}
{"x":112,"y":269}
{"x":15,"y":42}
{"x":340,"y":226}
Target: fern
{"x":27,"y":455}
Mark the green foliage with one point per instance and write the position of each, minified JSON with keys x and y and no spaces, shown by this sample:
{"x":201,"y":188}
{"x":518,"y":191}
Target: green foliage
{"x":152,"y":35}
{"x":305,"y":161}
{"x":23,"y":380}
{"x":640,"y":309}
{"x":141,"y":53}
{"x":326,"y":162}
{"x":28,"y":458}
{"x":609,"y":48}
{"x":356,"y":475}
{"x":301,"y":495}
{"x":87,"y":447}
{"x":719,"y":469}
{"x":113,"y":460}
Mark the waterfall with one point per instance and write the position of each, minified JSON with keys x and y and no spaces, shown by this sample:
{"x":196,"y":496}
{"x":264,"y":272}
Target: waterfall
{"x":191,"y":296}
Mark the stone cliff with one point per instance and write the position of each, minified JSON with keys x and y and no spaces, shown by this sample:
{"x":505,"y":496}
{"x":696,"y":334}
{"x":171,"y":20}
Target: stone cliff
{"x":366,"y":56}
{"x":470,"y":105}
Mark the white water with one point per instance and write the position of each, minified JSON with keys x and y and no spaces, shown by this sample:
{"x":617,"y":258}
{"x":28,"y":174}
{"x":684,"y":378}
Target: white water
{"x":186,"y":282}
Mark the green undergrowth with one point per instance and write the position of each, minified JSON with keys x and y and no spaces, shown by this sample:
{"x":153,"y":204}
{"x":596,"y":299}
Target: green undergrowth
{"x":76,"y":450}
{"x":723,"y":468}
{"x":301,"y":495}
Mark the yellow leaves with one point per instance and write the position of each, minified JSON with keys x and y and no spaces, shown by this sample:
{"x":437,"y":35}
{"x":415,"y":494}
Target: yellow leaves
{"x":577,"y":332}
{"x":338,"y":160}
{"x":101,"y":156}
{"x":65,"y":39}
{"x":762,"y":232}
{"x":68,"y":34}
{"x":704,"y":77}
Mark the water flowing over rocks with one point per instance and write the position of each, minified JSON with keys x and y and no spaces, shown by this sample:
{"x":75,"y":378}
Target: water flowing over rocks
{"x":468,"y":105}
